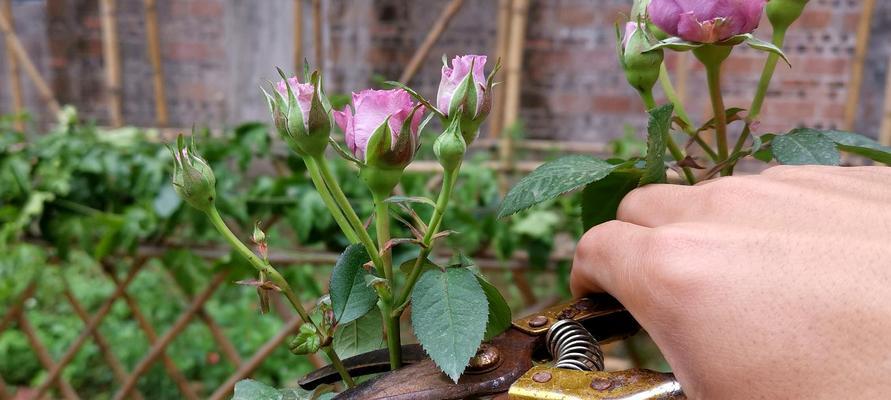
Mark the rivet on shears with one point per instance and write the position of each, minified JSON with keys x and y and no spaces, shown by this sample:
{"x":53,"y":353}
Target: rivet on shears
{"x":541,"y":377}
{"x":486,"y":359}
{"x":538,"y":321}
{"x":601,"y":384}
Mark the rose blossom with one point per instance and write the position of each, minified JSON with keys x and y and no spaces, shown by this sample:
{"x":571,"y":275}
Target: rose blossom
{"x":706,"y":21}
{"x":370,"y":109}
{"x":452,"y":77}
{"x":302,"y":91}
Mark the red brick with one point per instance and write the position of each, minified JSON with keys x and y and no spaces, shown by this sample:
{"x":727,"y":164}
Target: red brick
{"x":206,"y":8}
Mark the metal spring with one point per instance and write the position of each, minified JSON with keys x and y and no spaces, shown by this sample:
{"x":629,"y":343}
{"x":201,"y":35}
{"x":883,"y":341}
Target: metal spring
{"x":573,"y":347}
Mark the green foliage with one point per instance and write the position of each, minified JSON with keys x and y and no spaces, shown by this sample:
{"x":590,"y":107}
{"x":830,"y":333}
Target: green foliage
{"x":553,"y":179}
{"x":499,"y":311}
{"x":351,"y":297}
{"x":657,"y":131}
{"x":359,"y":336}
{"x":250,"y":389}
{"x":803,"y":146}
{"x":600,"y":200}
{"x":449,"y":316}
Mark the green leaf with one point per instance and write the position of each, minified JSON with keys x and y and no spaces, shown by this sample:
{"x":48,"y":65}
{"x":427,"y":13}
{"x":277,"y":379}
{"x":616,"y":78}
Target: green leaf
{"x":553,"y":179}
{"x":860,"y":145}
{"x":499,"y":312}
{"x":426,"y":265}
{"x":657,"y":129}
{"x":351,"y":298}
{"x":601,"y":199}
{"x":249,"y":389}
{"x":761,"y":147}
{"x":762,"y":45}
{"x":805,"y":147}
{"x":449,"y":316}
{"x":360,"y":336}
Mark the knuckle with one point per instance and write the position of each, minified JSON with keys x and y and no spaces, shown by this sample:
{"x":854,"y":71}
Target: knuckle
{"x":670,"y":259}
{"x":721,"y":194}
{"x":590,"y":245}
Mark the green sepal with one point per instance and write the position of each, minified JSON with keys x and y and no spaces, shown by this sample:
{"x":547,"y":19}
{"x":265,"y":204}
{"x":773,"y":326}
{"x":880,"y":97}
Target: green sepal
{"x":450,"y":146}
{"x":379,"y":143}
{"x":676,"y":44}
{"x":460,"y":93}
{"x":193,"y":179}
{"x":765,"y":46}
{"x":319,"y":121}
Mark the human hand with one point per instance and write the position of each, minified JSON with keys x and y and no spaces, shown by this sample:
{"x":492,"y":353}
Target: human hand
{"x":770,"y":286}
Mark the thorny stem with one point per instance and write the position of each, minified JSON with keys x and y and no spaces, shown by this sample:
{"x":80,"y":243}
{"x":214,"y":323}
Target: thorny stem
{"x":333,"y":208}
{"x":263,"y":267}
{"x":713,"y":73}
{"x":681,"y":112}
{"x":448,"y":183}
{"x":382,"y":227}
{"x":770,"y":66}
{"x":394,"y":338}
{"x":673,"y":148}
{"x":351,"y":216}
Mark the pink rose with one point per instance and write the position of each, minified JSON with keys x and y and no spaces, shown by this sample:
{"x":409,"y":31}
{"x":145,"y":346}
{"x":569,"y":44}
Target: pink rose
{"x":370,"y":109}
{"x":706,"y":21}
{"x":302,"y":91}
{"x":452,"y":77}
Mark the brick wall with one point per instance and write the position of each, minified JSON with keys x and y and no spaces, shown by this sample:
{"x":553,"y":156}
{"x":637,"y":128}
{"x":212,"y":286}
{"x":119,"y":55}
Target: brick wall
{"x":217,"y":52}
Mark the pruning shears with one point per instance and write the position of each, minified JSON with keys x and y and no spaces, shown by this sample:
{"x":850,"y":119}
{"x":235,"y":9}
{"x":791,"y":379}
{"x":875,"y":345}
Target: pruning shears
{"x":553,"y":354}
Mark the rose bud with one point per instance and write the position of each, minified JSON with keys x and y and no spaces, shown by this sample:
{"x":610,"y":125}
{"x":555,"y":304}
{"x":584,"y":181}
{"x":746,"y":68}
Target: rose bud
{"x":301,"y":114}
{"x":706,"y":21}
{"x":193,"y":179}
{"x":382,"y":129}
{"x":782,"y":13}
{"x":450,"y":147}
{"x":641,"y":66}
{"x":464,"y":89}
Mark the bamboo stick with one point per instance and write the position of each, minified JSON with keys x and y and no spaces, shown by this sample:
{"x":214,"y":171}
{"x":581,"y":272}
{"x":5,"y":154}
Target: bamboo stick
{"x":885,"y":130}
{"x":860,"y":49}
{"x":108,"y":19}
{"x":298,"y":36}
{"x":181,"y":322}
{"x":151,"y":337}
{"x":95,"y":320}
{"x":102,"y":343}
{"x":15,"y":80}
{"x":513,"y":69}
{"x":432,"y":36}
{"x":317,"y":39}
{"x":44,"y":357}
{"x":245,"y":370}
{"x":496,"y":117}
{"x":154,"y":54}
{"x":21,"y":55}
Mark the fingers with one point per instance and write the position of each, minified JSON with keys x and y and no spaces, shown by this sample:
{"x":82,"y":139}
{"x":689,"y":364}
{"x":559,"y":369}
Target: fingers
{"x":607,"y":259}
{"x":655,"y":205}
